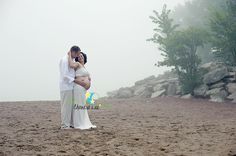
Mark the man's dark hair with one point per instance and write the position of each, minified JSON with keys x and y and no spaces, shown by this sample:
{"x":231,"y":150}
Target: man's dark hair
{"x":85,"y":58}
{"x":75,"y":49}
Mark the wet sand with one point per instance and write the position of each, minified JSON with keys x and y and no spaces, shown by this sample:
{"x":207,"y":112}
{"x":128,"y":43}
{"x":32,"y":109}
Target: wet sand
{"x":138,"y":127}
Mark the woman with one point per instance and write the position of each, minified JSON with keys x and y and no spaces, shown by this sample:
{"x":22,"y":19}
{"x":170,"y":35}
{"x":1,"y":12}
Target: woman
{"x":80,"y":114}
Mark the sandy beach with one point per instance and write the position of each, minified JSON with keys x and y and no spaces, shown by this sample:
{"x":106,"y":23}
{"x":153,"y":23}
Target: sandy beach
{"x":138,"y":127}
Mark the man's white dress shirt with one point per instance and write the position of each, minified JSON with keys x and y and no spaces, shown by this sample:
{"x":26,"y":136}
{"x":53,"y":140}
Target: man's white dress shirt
{"x":67,"y":75}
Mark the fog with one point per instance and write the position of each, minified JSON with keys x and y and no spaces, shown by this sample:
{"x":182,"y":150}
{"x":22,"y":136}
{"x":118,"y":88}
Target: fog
{"x":36,"y":34}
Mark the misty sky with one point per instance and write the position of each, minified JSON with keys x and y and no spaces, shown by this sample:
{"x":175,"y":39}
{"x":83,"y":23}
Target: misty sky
{"x":35,"y":34}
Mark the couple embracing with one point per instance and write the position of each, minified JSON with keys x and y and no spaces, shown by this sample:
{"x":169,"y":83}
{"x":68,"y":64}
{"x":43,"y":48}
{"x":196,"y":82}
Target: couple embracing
{"x":74,"y":82}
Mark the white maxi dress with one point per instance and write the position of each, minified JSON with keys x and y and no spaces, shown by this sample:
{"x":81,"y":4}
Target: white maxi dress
{"x":80,"y":116}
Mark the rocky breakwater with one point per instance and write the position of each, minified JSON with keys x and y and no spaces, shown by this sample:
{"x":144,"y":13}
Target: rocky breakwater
{"x":150,"y":87}
{"x":218,"y":85}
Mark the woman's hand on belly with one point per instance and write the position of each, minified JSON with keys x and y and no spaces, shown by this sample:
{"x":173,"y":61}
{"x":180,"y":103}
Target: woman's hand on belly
{"x":87,"y":86}
{"x":83,"y":81}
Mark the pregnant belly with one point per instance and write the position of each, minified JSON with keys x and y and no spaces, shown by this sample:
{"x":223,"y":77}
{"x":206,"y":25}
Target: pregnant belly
{"x":85,"y":80}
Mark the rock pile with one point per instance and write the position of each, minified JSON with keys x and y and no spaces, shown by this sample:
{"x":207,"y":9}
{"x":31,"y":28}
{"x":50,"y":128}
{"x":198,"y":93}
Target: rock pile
{"x":219,"y":84}
{"x":166,"y":84}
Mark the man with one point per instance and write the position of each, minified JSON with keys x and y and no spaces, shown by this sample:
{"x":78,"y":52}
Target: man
{"x":67,"y":80}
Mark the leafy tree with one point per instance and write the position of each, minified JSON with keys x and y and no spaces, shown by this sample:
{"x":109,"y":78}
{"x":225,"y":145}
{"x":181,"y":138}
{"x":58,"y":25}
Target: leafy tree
{"x":163,"y":30}
{"x":223,"y":31}
{"x":179,"y":49}
{"x":195,"y":13}
{"x":182,"y":49}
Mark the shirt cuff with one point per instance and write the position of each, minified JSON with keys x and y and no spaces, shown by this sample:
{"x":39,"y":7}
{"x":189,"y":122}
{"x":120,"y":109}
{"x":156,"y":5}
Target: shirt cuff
{"x":69,"y":79}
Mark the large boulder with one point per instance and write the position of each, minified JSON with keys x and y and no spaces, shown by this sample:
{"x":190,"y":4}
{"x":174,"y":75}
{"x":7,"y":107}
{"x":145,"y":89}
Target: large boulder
{"x":219,"y":97}
{"x":170,"y":85}
{"x":231,"y":68}
{"x":187,"y":96}
{"x":215,"y":75}
{"x":178,"y":89}
{"x":232,"y":97}
{"x":230,"y":78}
{"x":160,"y":86}
{"x":217,"y":85}
{"x":212,"y":66}
{"x":172,"y":80}
{"x":217,"y":94}
{"x":144,"y":91}
{"x":213,"y":91}
{"x":231,"y":87}
{"x":139,"y":90}
{"x":158,"y":93}
{"x":200,"y":91}
{"x":161,"y":81}
{"x":171,"y":89}
{"x":153,"y":82}
{"x":146,"y":94}
{"x":146,"y":80}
